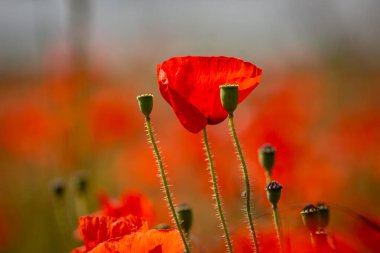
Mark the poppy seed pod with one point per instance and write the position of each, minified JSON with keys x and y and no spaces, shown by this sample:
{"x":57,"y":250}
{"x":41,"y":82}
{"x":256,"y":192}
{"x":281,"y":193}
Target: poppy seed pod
{"x":267,"y":157}
{"x":324,"y":215}
{"x":273,"y":192}
{"x":310,"y":217}
{"x":58,"y":187}
{"x":229,"y":95}
{"x":185,"y":215}
{"x":145,"y":104}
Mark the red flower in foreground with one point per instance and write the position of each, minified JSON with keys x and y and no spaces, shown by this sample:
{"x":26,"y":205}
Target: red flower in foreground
{"x":104,"y":234}
{"x":191,"y":86}
{"x":131,"y":203}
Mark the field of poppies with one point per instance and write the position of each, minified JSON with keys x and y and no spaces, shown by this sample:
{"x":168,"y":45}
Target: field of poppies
{"x":180,"y":144}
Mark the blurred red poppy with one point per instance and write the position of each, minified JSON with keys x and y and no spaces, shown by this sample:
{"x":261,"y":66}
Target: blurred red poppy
{"x":191,"y":86}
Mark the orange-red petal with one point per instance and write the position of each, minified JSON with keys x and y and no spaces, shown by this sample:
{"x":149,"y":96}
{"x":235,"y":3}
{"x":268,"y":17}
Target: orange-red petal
{"x":151,"y":241}
{"x":97,"y":229}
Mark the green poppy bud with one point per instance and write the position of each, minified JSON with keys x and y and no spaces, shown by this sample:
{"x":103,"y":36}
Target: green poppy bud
{"x":58,"y":187}
{"x":185,"y":216}
{"x":267,"y":156}
{"x":273,"y":192}
{"x":145,"y":104}
{"x":229,"y":95}
{"x":310,"y":217}
{"x":81,"y":181}
{"x":324,"y":215}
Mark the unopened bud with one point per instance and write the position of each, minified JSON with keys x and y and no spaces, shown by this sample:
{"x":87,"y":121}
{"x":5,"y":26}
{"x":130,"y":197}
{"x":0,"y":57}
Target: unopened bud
{"x":145,"y":104}
{"x":185,"y":216}
{"x":267,"y":157}
{"x":58,"y":187}
{"x":229,"y":96}
{"x":81,"y":181}
{"x":324,"y":215}
{"x":310,"y":217}
{"x":273,"y":192}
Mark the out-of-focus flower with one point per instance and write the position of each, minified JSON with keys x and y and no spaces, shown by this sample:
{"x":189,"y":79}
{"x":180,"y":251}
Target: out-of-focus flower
{"x":28,"y":130}
{"x":131,"y":203}
{"x":191,"y":86}
{"x":110,"y":119}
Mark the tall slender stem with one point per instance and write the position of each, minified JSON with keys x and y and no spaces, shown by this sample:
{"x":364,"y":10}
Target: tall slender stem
{"x":216,"y":190}
{"x":165,"y":183}
{"x":276,"y":219}
{"x":246,"y":180}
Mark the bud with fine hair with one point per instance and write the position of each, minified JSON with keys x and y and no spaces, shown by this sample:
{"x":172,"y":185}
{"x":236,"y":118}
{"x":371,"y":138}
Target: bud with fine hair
{"x":185,"y":216}
{"x":145,"y":104}
{"x":229,"y":95}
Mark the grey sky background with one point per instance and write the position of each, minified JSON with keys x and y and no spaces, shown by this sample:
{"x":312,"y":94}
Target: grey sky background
{"x":124,"y":32}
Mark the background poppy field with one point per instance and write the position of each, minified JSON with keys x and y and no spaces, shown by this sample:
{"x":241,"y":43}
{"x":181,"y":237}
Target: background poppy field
{"x":69,"y":75}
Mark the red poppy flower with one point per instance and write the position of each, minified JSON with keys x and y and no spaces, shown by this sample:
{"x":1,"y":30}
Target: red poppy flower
{"x":129,"y":234}
{"x":151,"y":241}
{"x":191,"y":86}
{"x":97,"y":229}
{"x":131,"y":203}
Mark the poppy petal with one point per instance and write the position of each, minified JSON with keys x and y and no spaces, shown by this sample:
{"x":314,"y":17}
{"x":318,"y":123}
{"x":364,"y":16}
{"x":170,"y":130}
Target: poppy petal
{"x":152,"y":241}
{"x":97,"y":229}
{"x":190,"y":85}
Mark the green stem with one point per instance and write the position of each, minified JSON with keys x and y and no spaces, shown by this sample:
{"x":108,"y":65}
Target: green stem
{"x":268,"y":176}
{"x":246,"y":180}
{"x":276,"y":219}
{"x":165,"y":183}
{"x":216,"y":190}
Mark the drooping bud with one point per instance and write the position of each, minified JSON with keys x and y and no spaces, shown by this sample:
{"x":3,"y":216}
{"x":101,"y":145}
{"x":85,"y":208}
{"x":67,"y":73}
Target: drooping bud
{"x":273,"y":192}
{"x":145,"y":104}
{"x":229,"y":95}
{"x":162,"y":226}
{"x":185,"y":216}
{"x":324,"y":215}
{"x":310,"y":217}
{"x":58,"y":187}
{"x":267,"y":157}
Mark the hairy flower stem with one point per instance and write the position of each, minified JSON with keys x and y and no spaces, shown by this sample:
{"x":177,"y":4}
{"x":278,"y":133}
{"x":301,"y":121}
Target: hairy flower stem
{"x":216,"y":191}
{"x":165,"y":183}
{"x":276,"y":219}
{"x":246,"y":180}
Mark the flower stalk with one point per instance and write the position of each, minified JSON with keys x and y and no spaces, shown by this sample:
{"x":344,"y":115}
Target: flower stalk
{"x":229,"y":97}
{"x":216,"y":191}
{"x":248,"y":206}
{"x":274,"y":193}
{"x":146,"y":104}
